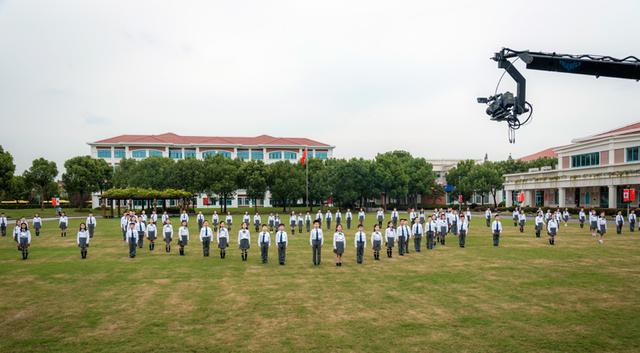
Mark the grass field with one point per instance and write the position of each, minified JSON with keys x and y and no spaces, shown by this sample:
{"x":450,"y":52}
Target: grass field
{"x":524,"y":296}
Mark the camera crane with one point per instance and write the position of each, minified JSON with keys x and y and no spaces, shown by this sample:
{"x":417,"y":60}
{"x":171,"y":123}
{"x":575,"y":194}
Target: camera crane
{"x":507,"y":107}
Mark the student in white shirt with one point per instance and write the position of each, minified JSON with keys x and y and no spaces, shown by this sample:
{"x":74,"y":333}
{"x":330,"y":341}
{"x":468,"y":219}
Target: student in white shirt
{"x":316,"y":240}
{"x":167,"y":231}
{"x":3,"y":224}
{"x":328,"y":217}
{"x":339,"y":241}
{"x":223,"y":239}
{"x":602,"y":227}
{"x":487,"y":217}
{"x":417,"y":231}
{"x":37,"y":224}
{"x":143,"y":216}
{"x":292,"y":222}
{"x":338,"y":217}
{"x":390,"y":238}
{"x":463,"y":228}
{"x":307,"y":221}
{"x":205,"y":236}
{"x":152,"y":235}
{"x":467,"y":214}
{"x":515,"y":215}
{"x":349,"y":217}
{"x":582,"y":217}
{"x":264,"y":242}
{"x":403,"y":232}
{"x":16,"y":232}
{"x":257,"y":220}
{"x":276,"y":221}
{"x":566,"y":216}
{"x":165,"y":217}
{"x":200,"y":220}
{"x":394,"y":217}
{"x":154,"y":217}
{"x":522,"y":219}
{"x":282,"y":242}
{"x":91,"y":224}
{"x":141,"y":227}
{"x":380,"y":217}
{"x":632,"y":221}
{"x":183,"y":236}
{"x":421,"y":217}
{"x":300,"y":222}
{"x":430,"y":229}
{"x":539,"y":224}
{"x":443,"y":228}
{"x":454,"y":222}
{"x":619,"y":222}
{"x":132,"y":239}
{"x":361,"y":216}
{"x":124,"y":225}
{"x":496,"y":230}
{"x":376,"y":242}
{"x":547,"y":216}
{"x":246,"y":218}
{"x":24,"y":240}
{"x":184,"y":217}
{"x":360,"y":241}
{"x":82,"y":238}
{"x":244,"y":241}
{"x":272,"y":222}
{"x":229,"y":221}
{"x":552,"y":230}
{"x":412,"y":216}
{"x":63,"y":223}
{"x":216,"y":220}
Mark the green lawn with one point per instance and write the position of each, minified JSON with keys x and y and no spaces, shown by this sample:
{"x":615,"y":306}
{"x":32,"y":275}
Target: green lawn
{"x":524,"y":296}
{"x":45,"y":213}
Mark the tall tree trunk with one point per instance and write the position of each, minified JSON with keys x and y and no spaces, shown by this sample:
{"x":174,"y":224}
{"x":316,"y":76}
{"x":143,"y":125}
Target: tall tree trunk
{"x":495,"y":203}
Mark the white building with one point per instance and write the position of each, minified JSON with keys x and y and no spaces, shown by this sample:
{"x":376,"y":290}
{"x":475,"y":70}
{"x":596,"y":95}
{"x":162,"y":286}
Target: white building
{"x":266,"y":148}
{"x":592,"y":172}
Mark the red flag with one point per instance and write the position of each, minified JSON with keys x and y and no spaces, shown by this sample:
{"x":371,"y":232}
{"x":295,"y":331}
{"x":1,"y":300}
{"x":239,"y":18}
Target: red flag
{"x":304,"y":157}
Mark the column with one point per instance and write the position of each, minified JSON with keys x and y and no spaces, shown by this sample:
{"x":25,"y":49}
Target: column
{"x":561,"y":197}
{"x":528,"y":198}
{"x":613,"y":196}
{"x":509,"y":201}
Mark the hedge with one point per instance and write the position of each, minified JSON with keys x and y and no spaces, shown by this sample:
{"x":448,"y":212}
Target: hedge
{"x":146,"y":194}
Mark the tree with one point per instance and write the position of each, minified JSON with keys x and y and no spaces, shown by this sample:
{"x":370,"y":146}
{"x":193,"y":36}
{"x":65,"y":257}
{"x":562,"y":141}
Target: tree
{"x":222,"y":177}
{"x":18,"y":189}
{"x":187,"y":174}
{"x":7,"y":168}
{"x":83,"y":175}
{"x":286,"y":182}
{"x":485,"y":178}
{"x":253,"y":178}
{"x":319,"y":184}
{"x":422,"y":179}
{"x":40,"y":176}
{"x":152,"y":173}
{"x":458,"y":176}
{"x":391,"y":177}
{"x":123,"y":174}
{"x":343,"y":182}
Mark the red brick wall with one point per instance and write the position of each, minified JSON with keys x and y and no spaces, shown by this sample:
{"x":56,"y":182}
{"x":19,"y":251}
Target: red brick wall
{"x":565,"y":162}
{"x":604,"y":157}
{"x":618,"y":155}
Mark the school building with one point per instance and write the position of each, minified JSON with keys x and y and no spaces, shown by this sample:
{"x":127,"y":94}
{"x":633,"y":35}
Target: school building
{"x":265,"y":148}
{"x":592,"y":171}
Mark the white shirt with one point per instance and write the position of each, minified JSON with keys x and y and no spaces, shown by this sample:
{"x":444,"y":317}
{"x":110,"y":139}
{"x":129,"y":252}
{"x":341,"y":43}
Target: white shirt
{"x":361,"y":215}
{"x":581,"y":215}
{"x":84,"y":235}
{"x":90,"y":220}
{"x":552,"y":225}
{"x":515,"y":213}
{"x":380,"y":214}
{"x":244,"y":234}
{"x":37,"y":220}
{"x":168,"y":228}
{"x":215,"y":218}
{"x":281,"y":237}
{"x":151,"y":228}
{"x":257,"y":218}
{"x":144,"y":217}
{"x":390,"y":233}
{"x":496,"y":225}
{"x":412,"y":215}
{"x":200,"y":217}
{"x":165,"y":217}
{"x":154,"y":217}
{"x":467,"y":214}
{"x":632,"y":217}
{"x":22,"y":234}
{"x":300,"y":218}
{"x":132,"y":234}
{"x":206,"y":232}
{"x":360,"y":237}
{"x":3,"y":220}
{"x":539,"y":220}
{"x":184,"y":217}
{"x":602,"y":222}
{"x":487,"y":213}
{"x":416,"y":228}
{"x":349,"y":215}
{"x":222,"y":233}
{"x":394,"y":214}
{"x":246,"y":218}
{"x":463,"y":225}
{"x":141,"y":227}
{"x":522,"y":216}
{"x":442,"y":223}
{"x":307,"y":218}
{"x":338,"y":215}
{"x":619,"y":219}
{"x":229,"y":219}
{"x":431,"y":226}
{"x":403,"y":231}
{"x":264,"y":237}
{"x":338,"y":237}
{"x":63,"y":219}
{"x":376,"y":236}
{"x":328,"y":216}
{"x":292,"y":219}
{"x":316,"y":233}
{"x":271,"y":219}
{"x":183,"y":232}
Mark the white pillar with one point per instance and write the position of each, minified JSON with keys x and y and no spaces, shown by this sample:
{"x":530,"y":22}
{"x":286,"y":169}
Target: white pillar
{"x":528,"y":198}
{"x":561,"y":197}
{"x":509,"y":201}
{"x":613,"y":196}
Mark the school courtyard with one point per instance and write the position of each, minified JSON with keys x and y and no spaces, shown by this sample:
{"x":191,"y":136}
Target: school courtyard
{"x":524,"y":296}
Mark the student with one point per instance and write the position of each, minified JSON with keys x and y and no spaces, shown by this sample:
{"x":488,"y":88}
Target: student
{"x":91,"y":224}
{"x":602,"y":227}
{"x":619,"y":222}
{"x":632,"y":221}
{"x":539,"y":223}
{"x":412,"y":216}
{"x":229,"y":221}
{"x":82,"y":239}
{"x":165,"y":217}
{"x":316,"y":240}
{"x":282,"y":241}
{"x":552,"y":230}
{"x":246,"y":218}
{"x":376,"y":242}
{"x":421,"y":216}
{"x":151,"y":235}
{"x":200,"y":220}
{"x":349,"y":217}
{"x":215,"y":219}
{"x":124,"y":225}
{"x":463,"y":228}
{"x":292,"y":222}
{"x":271,"y":220}
{"x":23,"y":238}
{"x":307,"y":222}
{"x":339,"y":241}
{"x":430,"y":228}
{"x":390,"y":238}
{"x":487,"y":216}
{"x":593,"y":222}
{"x":276,"y":221}
{"x":360,"y":242}
{"x":319,"y":217}
{"x":16,"y":232}
{"x":143,"y":216}
{"x":206,"y":234}
{"x":547,"y":216}
{"x":183,"y":236}
{"x":257,"y":220}
{"x":244,"y":241}
{"x":496,"y":229}
{"x":443,"y":228}
{"x":3,"y":224}
{"x":184,"y":217}
{"x":264,"y":242}
{"x":300,"y":222}
{"x":394,"y":217}
{"x":403,"y":236}
{"x":361,"y":216}
{"x":167,"y":230}
{"x":582,"y":217}
{"x":154,"y":217}
{"x":338,"y":217}
{"x":223,"y":240}
{"x":566,"y":216}
{"x":515,"y":216}
{"x":467,"y":215}
{"x":37,"y":224}
{"x":328,"y":217}
{"x":558,"y":216}
{"x":454,"y":222}
{"x":132,"y":239}
{"x":63,"y":222}
{"x":141,"y":228}
{"x":416,"y":230}
{"x":522,"y":219}
{"x":380,"y":217}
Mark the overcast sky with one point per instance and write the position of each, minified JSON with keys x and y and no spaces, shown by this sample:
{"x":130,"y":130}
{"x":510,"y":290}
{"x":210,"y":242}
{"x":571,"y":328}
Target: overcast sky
{"x":365,"y":76}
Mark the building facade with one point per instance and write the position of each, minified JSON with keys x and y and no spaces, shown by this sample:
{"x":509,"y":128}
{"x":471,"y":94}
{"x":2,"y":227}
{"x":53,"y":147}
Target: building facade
{"x":265,"y":148}
{"x":591,"y":172}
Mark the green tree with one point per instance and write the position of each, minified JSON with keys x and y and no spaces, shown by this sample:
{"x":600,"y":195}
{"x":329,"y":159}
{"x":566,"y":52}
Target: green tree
{"x":187,"y":174}
{"x":286,"y":182}
{"x":123,"y":174}
{"x":319,"y":184}
{"x":152,"y":173}
{"x":7,"y":168}
{"x":83,"y":175}
{"x":391,"y":175}
{"x":422,"y":179}
{"x":485,"y":178}
{"x":40,"y":176}
{"x":253,"y":178}
{"x":458,"y":176}
{"x":18,"y":189}
{"x":221,"y":177}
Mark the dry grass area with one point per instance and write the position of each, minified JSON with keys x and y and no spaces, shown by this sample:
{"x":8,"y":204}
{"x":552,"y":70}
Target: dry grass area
{"x":524,"y":296}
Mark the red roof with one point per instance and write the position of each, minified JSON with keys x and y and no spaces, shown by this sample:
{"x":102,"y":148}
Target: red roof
{"x":549,"y":152}
{"x":171,"y":138}
{"x":627,"y":129}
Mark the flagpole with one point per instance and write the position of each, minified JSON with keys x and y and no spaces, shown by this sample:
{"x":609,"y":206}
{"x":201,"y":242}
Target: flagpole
{"x":306,"y":168}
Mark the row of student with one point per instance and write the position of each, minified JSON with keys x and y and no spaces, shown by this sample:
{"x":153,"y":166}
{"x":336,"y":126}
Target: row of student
{"x":22,"y":237}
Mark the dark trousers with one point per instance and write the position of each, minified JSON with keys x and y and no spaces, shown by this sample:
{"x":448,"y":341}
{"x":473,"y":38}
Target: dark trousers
{"x":429,"y":240}
{"x":406,"y":245}
{"x":299,"y":227}
{"x":619,"y":228}
{"x":3,"y":229}
{"x":538,"y":230}
{"x":91,"y":228}
{"x":462,"y":238}
{"x":264,"y":252}
{"x":488,"y":222}
{"x":316,"y":247}
{"x":417,"y":239}
{"x":328,"y":224}
{"x":308,"y":226}
{"x":380,"y":220}
{"x":132,"y":247}
{"x":496,"y":239}
{"x":359,"y":251}
{"x":140,"y":239}
{"x":282,"y":253}
{"x":632,"y":226}
{"x":206,"y":245}
{"x":401,"y":245}
{"x":256,"y":226}
{"x":581,"y":223}
{"x":124,"y":234}
{"x":394,"y":221}
{"x":348,"y":223}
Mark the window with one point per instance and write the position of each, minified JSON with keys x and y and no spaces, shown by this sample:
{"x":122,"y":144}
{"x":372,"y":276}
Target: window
{"x":321,"y":154}
{"x":275,"y":155}
{"x":155,"y":153}
{"x":139,"y":154}
{"x":189,"y":154}
{"x":632,"y":154}
{"x":585,"y":160}
{"x":290,"y":155}
{"x":257,"y":155}
{"x":176,"y":154}
{"x":118,"y":153}
{"x":243,"y":155}
{"x":104,"y":153}
{"x":212,"y":153}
